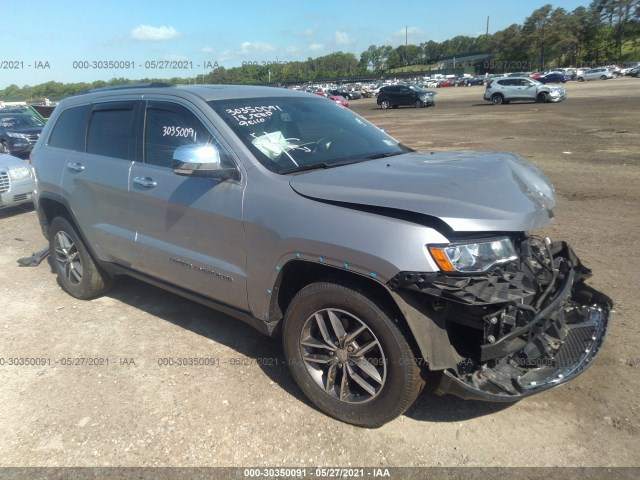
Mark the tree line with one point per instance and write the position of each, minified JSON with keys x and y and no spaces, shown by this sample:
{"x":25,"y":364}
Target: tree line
{"x":606,"y":31}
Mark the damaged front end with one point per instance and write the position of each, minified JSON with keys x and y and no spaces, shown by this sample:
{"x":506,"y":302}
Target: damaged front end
{"x":522,"y":327}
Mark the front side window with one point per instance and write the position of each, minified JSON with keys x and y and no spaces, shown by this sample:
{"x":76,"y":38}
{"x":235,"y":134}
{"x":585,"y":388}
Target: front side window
{"x":169,"y":126}
{"x":288,"y":134}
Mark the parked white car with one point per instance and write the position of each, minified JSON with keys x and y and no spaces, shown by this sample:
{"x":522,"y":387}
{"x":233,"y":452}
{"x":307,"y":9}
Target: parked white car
{"x":16,"y":181}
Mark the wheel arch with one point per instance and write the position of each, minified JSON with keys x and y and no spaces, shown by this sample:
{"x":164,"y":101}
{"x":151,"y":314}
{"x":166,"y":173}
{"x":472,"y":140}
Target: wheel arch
{"x":50,"y":206}
{"x":297,"y":274}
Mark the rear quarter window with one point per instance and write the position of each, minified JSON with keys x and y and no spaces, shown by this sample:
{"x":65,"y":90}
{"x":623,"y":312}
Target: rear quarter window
{"x":70,"y":128}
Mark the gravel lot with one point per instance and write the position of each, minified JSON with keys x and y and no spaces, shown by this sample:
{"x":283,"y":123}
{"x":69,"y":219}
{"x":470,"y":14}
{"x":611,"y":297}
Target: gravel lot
{"x":245,"y":410}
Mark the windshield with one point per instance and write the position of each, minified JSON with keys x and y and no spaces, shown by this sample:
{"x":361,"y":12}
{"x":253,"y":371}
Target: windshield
{"x":19,"y":121}
{"x":417,"y":88}
{"x":288,"y":134}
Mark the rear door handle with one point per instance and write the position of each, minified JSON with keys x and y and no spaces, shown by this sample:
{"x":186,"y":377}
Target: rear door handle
{"x":76,"y":167}
{"x":145,"y":182}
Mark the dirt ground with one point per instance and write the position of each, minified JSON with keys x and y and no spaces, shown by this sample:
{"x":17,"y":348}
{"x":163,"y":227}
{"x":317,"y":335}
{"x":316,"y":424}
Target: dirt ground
{"x":127,"y":410}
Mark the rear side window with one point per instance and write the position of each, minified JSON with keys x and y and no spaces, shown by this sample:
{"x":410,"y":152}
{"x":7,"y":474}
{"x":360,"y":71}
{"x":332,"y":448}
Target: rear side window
{"x":69,"y":131}
{"x":111,"y":130}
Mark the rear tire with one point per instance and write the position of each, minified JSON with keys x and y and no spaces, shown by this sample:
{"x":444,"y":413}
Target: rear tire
{"x":603,"y":77}
{"x":497,"y":99}
{"x":348,"y":356}
{"x":77,"y":272}
{"x":4,"y":148}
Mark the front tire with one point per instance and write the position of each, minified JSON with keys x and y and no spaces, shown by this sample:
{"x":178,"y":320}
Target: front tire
{"x":348,"y":356}
{"x":384,"y":104}
{"x":541,"y":97}
{"x":77,"y":272}
{"x":418,"y":104}
{"x":4,"y":148}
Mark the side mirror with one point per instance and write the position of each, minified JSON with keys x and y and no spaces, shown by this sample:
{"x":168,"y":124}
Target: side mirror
{"x":200,"y":160}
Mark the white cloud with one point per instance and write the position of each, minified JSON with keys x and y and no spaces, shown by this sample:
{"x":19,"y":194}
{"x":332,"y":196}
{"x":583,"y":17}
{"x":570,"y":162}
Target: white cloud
{"x":206,"y":50}
{"x":156,"y":34}
{"x":255,"y":48}
{"x":341,"y":38}
{"x":316,"y":47}
{"x":248,"y":51}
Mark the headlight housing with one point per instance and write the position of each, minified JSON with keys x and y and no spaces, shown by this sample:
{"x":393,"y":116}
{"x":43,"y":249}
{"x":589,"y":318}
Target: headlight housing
{"x":475,"y":257}
{"x":19,"y":173}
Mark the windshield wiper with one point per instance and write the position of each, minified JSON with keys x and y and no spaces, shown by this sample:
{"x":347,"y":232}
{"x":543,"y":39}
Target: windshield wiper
{"x":318,"y":166}
{"x":384,"y":155}
{"x":304,"y":168}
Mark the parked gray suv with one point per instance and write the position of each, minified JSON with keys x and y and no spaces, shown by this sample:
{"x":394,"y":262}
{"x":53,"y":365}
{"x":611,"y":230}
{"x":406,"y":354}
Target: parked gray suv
{"x":376,"y":263}
{"x":509,"y":89}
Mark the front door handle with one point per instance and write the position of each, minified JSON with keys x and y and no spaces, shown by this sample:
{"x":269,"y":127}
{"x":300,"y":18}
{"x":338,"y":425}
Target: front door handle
{"x":76,"y":167}
{"x":145,"y":182}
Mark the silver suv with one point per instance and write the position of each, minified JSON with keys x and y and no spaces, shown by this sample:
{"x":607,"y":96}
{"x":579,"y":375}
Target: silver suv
{"x":508,"y":89}
{"x":374,"y":262}
{"x":600,"y":73}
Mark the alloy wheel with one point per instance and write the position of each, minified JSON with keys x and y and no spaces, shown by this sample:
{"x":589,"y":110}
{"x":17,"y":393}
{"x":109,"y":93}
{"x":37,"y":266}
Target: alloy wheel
{"x":343,"y":356}
{"x":68,"y":257}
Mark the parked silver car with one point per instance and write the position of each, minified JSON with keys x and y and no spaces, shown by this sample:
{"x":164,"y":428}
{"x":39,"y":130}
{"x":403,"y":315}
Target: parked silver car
{"x":16,"y":181}
{"x":375,"y":263}
{"x":600,"y":73}
{"x":508,"y":89}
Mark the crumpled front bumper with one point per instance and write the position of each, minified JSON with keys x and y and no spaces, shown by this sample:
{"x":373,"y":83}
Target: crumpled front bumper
{"x":564,"y":329}
{"x":506,"y":383}
{"x":557,"y":98}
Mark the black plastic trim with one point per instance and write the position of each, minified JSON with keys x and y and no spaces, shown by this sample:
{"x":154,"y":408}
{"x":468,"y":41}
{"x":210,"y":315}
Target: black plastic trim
{"x":264,"y":327}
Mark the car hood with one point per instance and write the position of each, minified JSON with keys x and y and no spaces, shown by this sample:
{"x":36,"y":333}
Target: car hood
{"x":9,"y":162}
{"x":469,"y":191}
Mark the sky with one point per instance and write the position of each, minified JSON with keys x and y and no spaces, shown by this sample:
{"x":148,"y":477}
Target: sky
{"x":71,"y":41}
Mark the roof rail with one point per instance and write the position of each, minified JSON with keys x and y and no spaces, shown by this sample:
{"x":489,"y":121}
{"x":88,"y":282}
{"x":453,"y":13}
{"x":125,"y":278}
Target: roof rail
{"x":131,"y":85}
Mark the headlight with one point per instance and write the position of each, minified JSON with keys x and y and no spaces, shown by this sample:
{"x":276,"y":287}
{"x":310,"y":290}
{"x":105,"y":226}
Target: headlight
{"x":473,"y":257}
{"x":19,"y":173}
{"x":17,"y":135}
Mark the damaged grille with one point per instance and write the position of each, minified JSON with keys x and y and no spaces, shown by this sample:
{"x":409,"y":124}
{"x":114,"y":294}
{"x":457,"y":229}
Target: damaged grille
{"x":577,"y":342}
